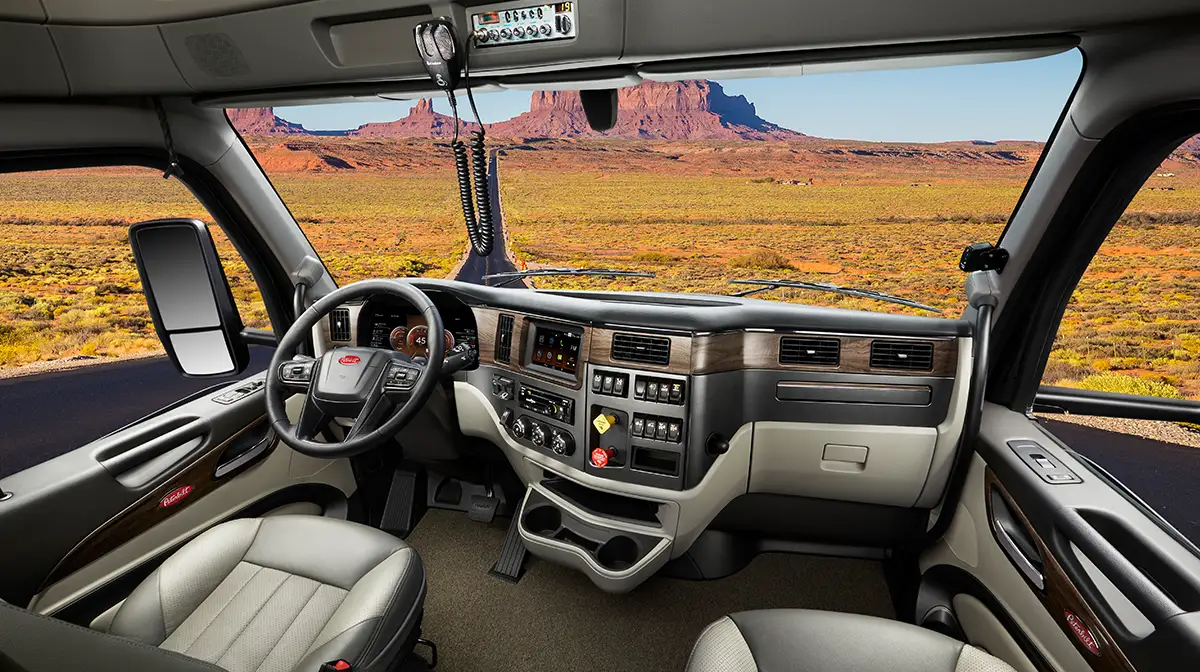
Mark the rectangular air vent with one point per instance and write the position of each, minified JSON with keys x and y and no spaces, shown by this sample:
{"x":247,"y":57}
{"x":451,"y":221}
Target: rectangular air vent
{"x":504,"y":335}
{"x":907,"y":355}
{"x":809,"y":351}
{"x":641,"y":349}
{"x":339,"y":325}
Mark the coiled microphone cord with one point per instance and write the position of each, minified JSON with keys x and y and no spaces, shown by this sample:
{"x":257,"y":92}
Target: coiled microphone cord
{"x":481,"y":231}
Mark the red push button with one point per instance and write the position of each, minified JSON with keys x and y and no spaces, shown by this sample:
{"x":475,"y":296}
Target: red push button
{"x":601,"y":456}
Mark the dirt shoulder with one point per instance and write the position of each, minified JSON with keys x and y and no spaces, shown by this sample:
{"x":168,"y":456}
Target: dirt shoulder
{"x":76,"y":362}
{"x":1153,"y":430}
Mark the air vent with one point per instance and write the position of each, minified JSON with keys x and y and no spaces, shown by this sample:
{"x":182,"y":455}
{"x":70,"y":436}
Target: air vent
{"x":641,"y":349}
{"x":809,"y":351}
{"x":907,"y":355}
{"x":504,"y":339}
{"x":339,"y":325}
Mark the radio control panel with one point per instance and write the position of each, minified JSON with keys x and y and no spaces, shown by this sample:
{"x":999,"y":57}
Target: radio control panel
{"x":524,"y":25}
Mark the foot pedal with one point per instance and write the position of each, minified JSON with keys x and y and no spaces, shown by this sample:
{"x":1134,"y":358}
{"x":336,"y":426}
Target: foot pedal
{"x":483,"y":508}
{"x":398,"y":512}
{"x":511,"y":563}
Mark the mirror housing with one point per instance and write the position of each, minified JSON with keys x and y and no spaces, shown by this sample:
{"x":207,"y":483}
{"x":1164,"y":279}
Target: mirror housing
{"x":189,"y":297}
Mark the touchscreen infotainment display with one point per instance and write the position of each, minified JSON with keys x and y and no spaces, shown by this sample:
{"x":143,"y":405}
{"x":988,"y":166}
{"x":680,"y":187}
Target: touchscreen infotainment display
{"x":555,"y":349}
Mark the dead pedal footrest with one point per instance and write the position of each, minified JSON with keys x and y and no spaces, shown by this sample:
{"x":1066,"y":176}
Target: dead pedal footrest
{"x":511,"y":563}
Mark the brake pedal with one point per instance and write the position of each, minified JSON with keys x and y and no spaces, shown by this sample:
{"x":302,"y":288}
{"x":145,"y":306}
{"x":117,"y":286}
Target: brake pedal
{"x":399,"y":511}
{"x":511,"y":563}
{"x":483,"y":508}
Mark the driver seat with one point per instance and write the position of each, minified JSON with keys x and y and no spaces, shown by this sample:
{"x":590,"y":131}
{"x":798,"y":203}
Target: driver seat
{"x":279,"y":594}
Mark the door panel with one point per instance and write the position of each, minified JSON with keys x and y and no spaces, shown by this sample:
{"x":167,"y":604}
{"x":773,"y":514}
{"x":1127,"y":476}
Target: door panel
{"x":108,"y":507}
{"x":1105,"y":562}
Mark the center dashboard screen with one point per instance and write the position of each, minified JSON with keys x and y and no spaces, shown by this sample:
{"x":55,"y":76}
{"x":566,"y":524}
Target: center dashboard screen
{"x":555,"y":349}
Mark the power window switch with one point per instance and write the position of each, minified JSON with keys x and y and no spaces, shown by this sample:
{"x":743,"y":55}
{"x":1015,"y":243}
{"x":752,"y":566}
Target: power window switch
{"x":1060,"y":478}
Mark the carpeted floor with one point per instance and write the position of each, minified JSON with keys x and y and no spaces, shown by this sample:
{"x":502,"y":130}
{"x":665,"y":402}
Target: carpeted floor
{"x":555,"y":620}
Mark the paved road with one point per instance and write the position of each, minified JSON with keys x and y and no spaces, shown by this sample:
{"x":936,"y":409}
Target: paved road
{"x":47,"y":415}
{"x":497,"y":262}
{"x":1164,"y":475}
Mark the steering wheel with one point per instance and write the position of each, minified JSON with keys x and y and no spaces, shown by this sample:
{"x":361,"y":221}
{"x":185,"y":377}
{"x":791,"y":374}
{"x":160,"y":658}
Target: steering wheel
{"x":378,"y":387}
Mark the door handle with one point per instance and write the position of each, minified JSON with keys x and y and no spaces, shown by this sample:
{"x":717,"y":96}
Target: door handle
{"x":1015,"y":543}
{"x":238,"y":456}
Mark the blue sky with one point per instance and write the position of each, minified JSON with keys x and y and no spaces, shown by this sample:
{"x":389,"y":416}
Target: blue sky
{"x":997,"y":101}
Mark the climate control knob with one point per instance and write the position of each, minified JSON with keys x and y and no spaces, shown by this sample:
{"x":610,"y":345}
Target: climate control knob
{"x":561,"y":443}
{"x":519,"y":427}
{"x":538,"y":435}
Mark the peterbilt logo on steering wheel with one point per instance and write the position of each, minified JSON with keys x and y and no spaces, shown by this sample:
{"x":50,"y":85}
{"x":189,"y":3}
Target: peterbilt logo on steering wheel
{"x":349,"y":360}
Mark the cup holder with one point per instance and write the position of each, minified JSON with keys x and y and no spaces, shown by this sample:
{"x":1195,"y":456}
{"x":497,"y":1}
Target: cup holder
{"x":618,"y":553}
{"x":543,"y":520}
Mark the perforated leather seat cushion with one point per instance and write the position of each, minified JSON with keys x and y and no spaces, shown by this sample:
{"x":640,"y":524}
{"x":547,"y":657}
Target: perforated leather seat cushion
{"x":279,"y":594}
{"x":801,"y":640}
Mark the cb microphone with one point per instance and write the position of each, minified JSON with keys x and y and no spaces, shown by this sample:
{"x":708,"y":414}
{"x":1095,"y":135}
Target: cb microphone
{"x":439,"y":53}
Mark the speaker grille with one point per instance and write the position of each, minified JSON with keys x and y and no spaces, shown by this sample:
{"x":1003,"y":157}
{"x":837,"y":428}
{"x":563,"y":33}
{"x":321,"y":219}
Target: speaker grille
{"x":216,"y":55}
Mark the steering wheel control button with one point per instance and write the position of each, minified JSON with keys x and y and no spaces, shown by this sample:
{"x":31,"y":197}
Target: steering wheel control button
{"x":296,"y":372}
{"x":602,"y":456}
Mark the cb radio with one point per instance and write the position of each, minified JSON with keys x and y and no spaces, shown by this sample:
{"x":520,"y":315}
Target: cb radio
{"x":437,"y":45}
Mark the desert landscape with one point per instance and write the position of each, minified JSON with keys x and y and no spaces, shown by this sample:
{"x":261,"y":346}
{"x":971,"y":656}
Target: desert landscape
{"x":691,"y":185}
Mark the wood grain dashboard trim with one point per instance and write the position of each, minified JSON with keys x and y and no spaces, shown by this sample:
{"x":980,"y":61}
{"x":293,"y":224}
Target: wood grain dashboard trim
{"x":733,"y":351}
{"x":145,"y":513}
{"x":710,"y":353}
{"x":1060,"y":595}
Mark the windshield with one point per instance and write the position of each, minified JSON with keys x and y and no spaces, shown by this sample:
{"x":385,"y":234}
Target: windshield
{"x":870,"y":181}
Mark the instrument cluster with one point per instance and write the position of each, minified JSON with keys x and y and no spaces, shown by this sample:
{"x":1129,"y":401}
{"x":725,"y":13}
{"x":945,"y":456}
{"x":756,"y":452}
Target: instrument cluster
{"x":391,"y":323}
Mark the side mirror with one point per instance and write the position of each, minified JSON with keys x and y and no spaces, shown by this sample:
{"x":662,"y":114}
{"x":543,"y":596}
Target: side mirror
{"x":189,"y":297}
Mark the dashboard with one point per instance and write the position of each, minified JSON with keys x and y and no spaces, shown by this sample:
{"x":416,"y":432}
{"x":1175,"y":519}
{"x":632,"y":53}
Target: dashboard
{"x":637,"y":421}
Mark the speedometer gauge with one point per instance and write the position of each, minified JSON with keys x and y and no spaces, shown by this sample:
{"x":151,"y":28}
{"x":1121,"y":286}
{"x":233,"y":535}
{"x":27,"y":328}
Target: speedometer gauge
{"x":418,"y":337}
{"x":396,"y":339}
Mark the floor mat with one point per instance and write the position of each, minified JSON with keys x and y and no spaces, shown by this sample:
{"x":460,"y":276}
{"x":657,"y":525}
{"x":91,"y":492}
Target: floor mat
{"x":555,"y":620}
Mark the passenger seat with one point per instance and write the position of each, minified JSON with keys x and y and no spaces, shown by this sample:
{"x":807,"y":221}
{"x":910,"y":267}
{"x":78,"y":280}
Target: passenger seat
{"x":795,"y":640}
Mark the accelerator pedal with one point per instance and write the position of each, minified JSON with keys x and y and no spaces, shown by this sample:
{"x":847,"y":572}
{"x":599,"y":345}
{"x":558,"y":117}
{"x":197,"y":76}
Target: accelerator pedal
{"x":511,"y":563}
{"x":399,"y":512}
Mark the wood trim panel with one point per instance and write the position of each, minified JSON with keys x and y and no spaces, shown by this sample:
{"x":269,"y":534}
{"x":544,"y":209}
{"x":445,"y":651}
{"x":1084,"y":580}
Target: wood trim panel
{"x":733,"y":351}
{"x":1061,"y":595}
{"x":681,"y":351}
{"x":147,"y":512}
{"x":487,"y":321}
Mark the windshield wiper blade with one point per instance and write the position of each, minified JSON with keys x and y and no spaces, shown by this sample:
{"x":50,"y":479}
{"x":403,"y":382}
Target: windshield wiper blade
{"x":828,"y":287}
{"x":510,"y":277}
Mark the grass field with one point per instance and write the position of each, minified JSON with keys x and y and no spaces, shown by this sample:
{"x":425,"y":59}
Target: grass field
{"x":696,"y":214}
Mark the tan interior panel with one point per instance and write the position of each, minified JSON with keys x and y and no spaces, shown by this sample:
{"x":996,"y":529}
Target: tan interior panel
{"x":856,"y":463}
